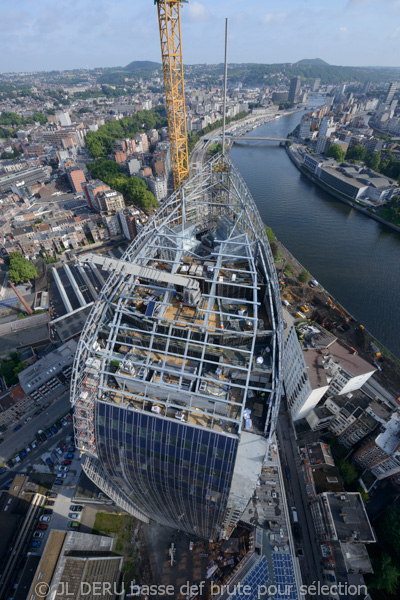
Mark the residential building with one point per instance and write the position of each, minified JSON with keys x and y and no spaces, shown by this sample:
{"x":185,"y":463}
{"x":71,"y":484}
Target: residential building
{"x":381,"y":455}
{"x":128,"y":224}
{"x":316,"y":84}
{"x":391,"y":92}
{"x":81,"y":564}
{"x":343,"y":531}
{"x":327,"y":126}
{"x":112,"y":223}
{"x":302,"y":392}
{"x":110,"y":201}
{"x":76,"y":178}
{"x":294,"y":89}
{"x":91,"y":190}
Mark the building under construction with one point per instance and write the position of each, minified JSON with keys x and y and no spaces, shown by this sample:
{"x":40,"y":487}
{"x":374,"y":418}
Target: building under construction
{"x":177,"y":377}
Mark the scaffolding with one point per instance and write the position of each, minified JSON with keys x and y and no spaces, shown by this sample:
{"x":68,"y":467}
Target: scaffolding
{"x":186,"y":330}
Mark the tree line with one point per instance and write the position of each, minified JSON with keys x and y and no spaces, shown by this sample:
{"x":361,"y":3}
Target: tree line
{"x":101,"y":143}
{"x":133,"y":189}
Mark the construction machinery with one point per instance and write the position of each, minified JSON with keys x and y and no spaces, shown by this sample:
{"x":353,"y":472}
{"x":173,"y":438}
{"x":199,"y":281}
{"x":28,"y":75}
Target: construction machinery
{"x":171,"y":51}
{"x":26,"y":305}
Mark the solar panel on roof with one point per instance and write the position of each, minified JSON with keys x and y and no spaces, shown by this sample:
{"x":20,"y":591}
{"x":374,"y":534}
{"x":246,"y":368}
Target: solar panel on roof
{"x":150,"y":308}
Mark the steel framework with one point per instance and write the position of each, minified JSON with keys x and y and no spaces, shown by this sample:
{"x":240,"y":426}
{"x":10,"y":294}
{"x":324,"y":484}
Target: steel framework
{"x":171,"y":51}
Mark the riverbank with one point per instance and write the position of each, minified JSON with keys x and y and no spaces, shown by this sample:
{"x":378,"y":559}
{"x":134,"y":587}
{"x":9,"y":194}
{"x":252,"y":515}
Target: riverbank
{"x":342,"y":323}
{"x":325,"y":309}
{"x":329,"y":190}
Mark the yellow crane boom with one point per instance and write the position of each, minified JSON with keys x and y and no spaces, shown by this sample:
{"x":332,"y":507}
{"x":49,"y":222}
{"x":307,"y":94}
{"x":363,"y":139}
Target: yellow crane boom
{"x":171,"y":50}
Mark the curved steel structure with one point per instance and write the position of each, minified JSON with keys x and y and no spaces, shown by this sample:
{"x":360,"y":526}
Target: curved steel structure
{"x":177,"y":376}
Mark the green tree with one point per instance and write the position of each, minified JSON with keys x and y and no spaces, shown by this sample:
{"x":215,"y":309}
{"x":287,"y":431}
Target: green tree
{"x":373,"y":161}
{"x":20,"y":269}
{"x":336,"y":152}
{"x":304,"y":276}
{"x":356,"y":153}
{"x":386,"y":576}
{"x":347,"y":471}
{"x":390,"y":527}
{"x":288,"y":269}
{"x":270,"y":234}
{"x":9,"y":369}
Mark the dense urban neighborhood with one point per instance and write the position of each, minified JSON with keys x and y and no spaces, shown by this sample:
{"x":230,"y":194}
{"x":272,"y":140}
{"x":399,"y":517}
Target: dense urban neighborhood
{"x":175,"y":321}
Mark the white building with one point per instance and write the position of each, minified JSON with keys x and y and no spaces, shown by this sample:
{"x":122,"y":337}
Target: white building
{"x":63,"y":118}
{"x":303,"y":391}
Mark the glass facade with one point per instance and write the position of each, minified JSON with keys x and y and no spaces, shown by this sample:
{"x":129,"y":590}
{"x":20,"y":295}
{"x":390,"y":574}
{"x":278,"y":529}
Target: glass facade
{"x":177,"y":474}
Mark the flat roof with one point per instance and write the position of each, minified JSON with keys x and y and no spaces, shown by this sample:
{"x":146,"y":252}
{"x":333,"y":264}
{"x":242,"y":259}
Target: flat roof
{"x":315,"y":370}
{"x":349,"y":517}
{"x":47,"y":367}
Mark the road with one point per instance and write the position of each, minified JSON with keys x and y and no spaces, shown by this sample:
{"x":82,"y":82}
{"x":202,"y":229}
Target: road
{"x":297,"y":496}
{"x":14,"y":441}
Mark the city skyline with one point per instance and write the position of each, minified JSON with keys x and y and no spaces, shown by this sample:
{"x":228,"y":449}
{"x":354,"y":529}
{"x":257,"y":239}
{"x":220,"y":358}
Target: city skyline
{"x":84,"y":35}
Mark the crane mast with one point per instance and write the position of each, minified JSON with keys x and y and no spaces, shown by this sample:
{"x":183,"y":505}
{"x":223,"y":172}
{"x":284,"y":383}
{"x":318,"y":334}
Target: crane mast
{"x":171,"y":50}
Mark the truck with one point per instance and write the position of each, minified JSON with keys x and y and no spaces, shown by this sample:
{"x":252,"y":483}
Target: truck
{"x":294,"y":514}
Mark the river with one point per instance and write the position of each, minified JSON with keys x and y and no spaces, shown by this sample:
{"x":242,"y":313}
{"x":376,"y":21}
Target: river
{"x":354,"y":257}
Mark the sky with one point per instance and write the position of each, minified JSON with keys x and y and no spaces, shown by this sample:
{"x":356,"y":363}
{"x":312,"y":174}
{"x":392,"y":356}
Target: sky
{"x":42,"y":35}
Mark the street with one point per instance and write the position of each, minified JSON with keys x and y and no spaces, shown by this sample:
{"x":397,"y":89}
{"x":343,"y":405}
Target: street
{"x":14,"y":441}
{"x":297,"y":496}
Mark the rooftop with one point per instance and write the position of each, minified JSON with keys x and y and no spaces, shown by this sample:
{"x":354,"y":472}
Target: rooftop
{"x":34,"y":376}
{"x":348,"y":516}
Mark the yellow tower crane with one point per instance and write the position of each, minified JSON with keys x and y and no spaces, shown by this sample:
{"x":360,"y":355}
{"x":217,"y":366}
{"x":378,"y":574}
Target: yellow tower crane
{"x":171,"y":50}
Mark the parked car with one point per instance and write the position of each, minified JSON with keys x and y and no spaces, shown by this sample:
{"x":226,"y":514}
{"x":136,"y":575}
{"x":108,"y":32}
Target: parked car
{"x":39,"y":441}
{"x":17,"y":427}
{"x":38,"y":534}
{"x":64,"y":422}
{"x":28,"y":449}
{"x":63,"y":468}
{"x":33,"y":445}
{"x":17,"y":458}
{"x":58,"y":425}
{"x":10,"y":463}
{"x":76,"y":507}
{"x":41,"y":526}
{"x":63,"y":446}
{"x":69,"y":418}
{"x":71,"y":449}
{"x":48,"y":511}
{"x":58,"y":481}
{"x":27,"y":419}
{"x":54,"y":457}
{"x":44,"y":519}
{"x":75,"y":515}
{"x":68,"y":455}
{"x":35,"y":544}
{"x":59,"y":451}
{"x":67,"y":462}
{"x":73,"y":525}
{"x":53,"y":429}
{"x":48,"y":433}
{"x":61,"y":475}
{"x":49,"y":462}
{"x":43,"y":437}
{"x":23,"y":453}
{"x":51,"y":494}
{"x":50,"y":503}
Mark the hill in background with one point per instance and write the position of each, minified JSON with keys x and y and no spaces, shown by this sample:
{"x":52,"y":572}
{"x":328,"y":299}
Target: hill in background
{"x":142,"y":65}
{"x":311,"y":62}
